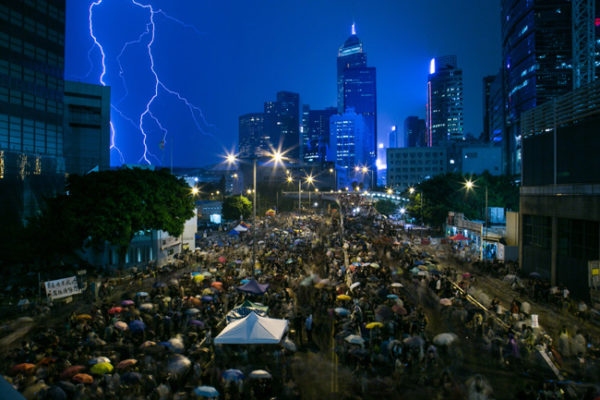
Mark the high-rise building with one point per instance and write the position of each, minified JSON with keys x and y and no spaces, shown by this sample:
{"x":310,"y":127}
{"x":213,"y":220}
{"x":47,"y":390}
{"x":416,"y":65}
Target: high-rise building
{"x":409,"y":166}
{"x":444,"y":101}
{"x":536,"y":62}
{"x":559,"y":196}
{"x":282,"y":123}
{"x":487,"y":86}
{"x":357,"y":89}
{"x":317,"y":134}
{"x":304,"y":131}
{"x":496,"y":109}
{"x":346,"y":145}
{"x":32,"y":40}
{"x":415,"y":132}
{"x":251,"y":135}
{"x":586,"y":41}
{"x":87,"y":127}
{"x":393,"y":138}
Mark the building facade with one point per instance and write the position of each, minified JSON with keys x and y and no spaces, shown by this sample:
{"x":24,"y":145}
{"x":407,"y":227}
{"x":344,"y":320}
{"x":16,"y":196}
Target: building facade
{"x":32,"y":39}
{"x":536,"y":63}
{"x":495,"y":114}
{"x":316,"y":132}
{"x":444,"y":101}
{"x":487,"y":96}
{"x":86,"y":127}
{"x":346,"y":145}
{"x":478,"y":158}
{"x":282,"y":123}
{"x":357,"y":89}
{"x":560,"y":195}
{"x":415,"y":132}
{"x":251,"y":135}
{"x":406,"y":167}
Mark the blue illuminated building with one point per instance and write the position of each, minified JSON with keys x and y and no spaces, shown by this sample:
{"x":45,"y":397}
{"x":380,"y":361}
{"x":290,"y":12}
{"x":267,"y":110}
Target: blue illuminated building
{"x":346,"y":145}
{"x":282,"y":123}
{"x":414,"y":132}
{"x":315,"y":128}
{"x":356,"y":84}
{"x":536,"y":63}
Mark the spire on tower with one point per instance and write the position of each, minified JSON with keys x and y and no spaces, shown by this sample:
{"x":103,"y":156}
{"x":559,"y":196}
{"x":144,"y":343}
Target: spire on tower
{"x":354,"y":28}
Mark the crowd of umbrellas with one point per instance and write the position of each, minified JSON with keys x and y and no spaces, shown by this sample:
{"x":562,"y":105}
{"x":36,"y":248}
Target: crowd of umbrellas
{"x":218,"y":331}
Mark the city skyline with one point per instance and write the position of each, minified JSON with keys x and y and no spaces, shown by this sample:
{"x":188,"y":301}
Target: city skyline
{"x":284,"y":61}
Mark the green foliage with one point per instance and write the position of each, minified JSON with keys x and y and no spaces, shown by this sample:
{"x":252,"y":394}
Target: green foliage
{"x":234,"y":206}
{"x":112,"y":206}
{"x":385,"y":207}
{"x":432,"y":199}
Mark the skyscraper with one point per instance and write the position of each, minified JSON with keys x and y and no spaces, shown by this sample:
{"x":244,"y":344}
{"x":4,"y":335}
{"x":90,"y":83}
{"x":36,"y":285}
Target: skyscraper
{"x":32,"y":37}
{"x":415,"y":132}
{"x":496,"y":109}
{"x":487,"y":85}
{"x":444,"y":101}
{"x":251,"y":135}
{"x":87,"y":127}
{"x":346,"y":144}
{"x":317,"y":134}
{"x":393,"y":138}
{"x":586,"y":41}
{"x":357,"y":89}
{"x":282,"y":123}
{"x":536,"y":62}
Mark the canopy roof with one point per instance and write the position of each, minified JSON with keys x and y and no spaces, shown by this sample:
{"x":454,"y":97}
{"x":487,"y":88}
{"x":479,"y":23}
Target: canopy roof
{"x":253,"y":329}
{"x":253,"y":287}
{"x":240,"y":228}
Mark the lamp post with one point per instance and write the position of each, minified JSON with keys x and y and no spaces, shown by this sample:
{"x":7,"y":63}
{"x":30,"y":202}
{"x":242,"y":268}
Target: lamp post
{"x":469,"y":185}
{"x":334,"y":172}
{"x":309,"y":181}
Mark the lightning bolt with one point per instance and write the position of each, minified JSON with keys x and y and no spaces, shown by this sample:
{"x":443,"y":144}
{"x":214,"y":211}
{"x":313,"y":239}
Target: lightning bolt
{"x":195,"y":112}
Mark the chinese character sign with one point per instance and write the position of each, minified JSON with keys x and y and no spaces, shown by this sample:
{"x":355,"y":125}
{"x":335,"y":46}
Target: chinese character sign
{"x":62,"y":287}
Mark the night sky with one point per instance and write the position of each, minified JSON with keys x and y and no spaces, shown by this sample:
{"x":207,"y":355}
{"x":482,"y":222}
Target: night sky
{"x":228,"y":57}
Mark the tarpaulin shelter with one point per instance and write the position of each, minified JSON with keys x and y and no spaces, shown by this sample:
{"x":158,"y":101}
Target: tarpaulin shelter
{"x":240,"y":228}
{"x":253,"y":287}
{"x":459,"y":237}
{"x":253,"y":329}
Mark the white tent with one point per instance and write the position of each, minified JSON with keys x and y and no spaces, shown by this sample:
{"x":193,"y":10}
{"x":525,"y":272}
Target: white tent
{"x":253,"y":329}
{"x":240,"y":228}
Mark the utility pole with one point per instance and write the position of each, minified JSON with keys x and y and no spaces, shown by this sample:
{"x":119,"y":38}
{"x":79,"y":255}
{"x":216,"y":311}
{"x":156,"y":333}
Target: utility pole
{"x":254,"y":217}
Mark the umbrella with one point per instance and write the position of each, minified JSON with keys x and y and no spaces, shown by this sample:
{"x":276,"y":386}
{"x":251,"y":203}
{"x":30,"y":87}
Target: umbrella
{"x":47,"y":360}
{"x":445,"y":339}
{"x":354,"y":285}
{"x":260,"y":374}
{"x":397,"y":285}
{"x":372,"y":325}
{"x":72,"y":370}
{"x":147,"y":306}
{"x":459,"y":237}
{"x":535,"y":275}
{"x":414,"y":341}
{"x":127,"y":303}
{"x":198,"y":278}
{"x":342,"y":311}
{"x":141,"y":294}
{"x":147,"y":343}
{"x":98,"y":360}
{"x":415,"y":270}
{"x":101,"y":368}
{"x":127,"y":363}
{"x":207,"y":298}
{"x":288,"y":344}
{"x":222,"y":259}
{"x":131,"y":377}
{"x":137,"y":326}
{"x":159,"y":285}
{"x":243,"y":281}
{"x":354,"y":339}
{"x":23,"y":367}
{"x":206,"y":391}
{"x":217,"y":285}
{"x":374,"y":265}
{"x":56,"y":393}
{"x":466,"y":275}
{"x":344,"y":297}
{"x":83,"y":316}
{"x":173,"y":282}
{"x":192,"y":311}
{"x":196,"y":322}
{"x":206,"y":292}
{"x":178,"y":364}
{"x":446,"y":302}
{"x":121,"y":325}
{"x":232,"y":375}
{"x":83,"y":378}
{"x":115,"y":310}
{"x":392,"y":296}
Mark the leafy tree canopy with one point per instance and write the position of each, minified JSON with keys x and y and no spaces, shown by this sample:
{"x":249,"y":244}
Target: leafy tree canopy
{"x":385,"y":207}
{"x":234,"y":206}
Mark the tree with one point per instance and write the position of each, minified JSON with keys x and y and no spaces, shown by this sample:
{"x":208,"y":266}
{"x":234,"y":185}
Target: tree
{"x":234,"y":206}
{"x":112,"y":206}
{"x":385,"y":207}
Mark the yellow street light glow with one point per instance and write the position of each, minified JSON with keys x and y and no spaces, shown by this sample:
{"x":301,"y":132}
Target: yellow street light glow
{"x":316,"y":189}
{"x":309,"y":179}
{"x":331,"y":170}
{"x":390,"y":191}
{"x":235,"y":176}
{"x":411,"y":190}
{"x":218,"y":192}
{"x":357,"y":168}
{"x":364,"y":169}
{"x":469,"y":184}
{"x":231,"y":158}
{"x":195,"y":190}
{"x":249,"y":191}
{"x":290,"y":179}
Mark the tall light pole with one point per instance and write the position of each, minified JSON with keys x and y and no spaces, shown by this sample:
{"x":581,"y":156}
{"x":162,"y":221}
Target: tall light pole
{"x":309,"y":181}
{"x":334,"y":172}
{"x":469,"y":185}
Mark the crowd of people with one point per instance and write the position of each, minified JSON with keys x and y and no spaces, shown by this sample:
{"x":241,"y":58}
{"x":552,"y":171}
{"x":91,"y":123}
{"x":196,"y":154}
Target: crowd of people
{"x":370,"y":316}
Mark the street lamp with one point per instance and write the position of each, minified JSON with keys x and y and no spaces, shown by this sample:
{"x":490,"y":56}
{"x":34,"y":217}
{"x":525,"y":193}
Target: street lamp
{"x":309,"y":181}
{"x":195,"y":190}
{"x":334,"y":172}
{"x":469,"y":185}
